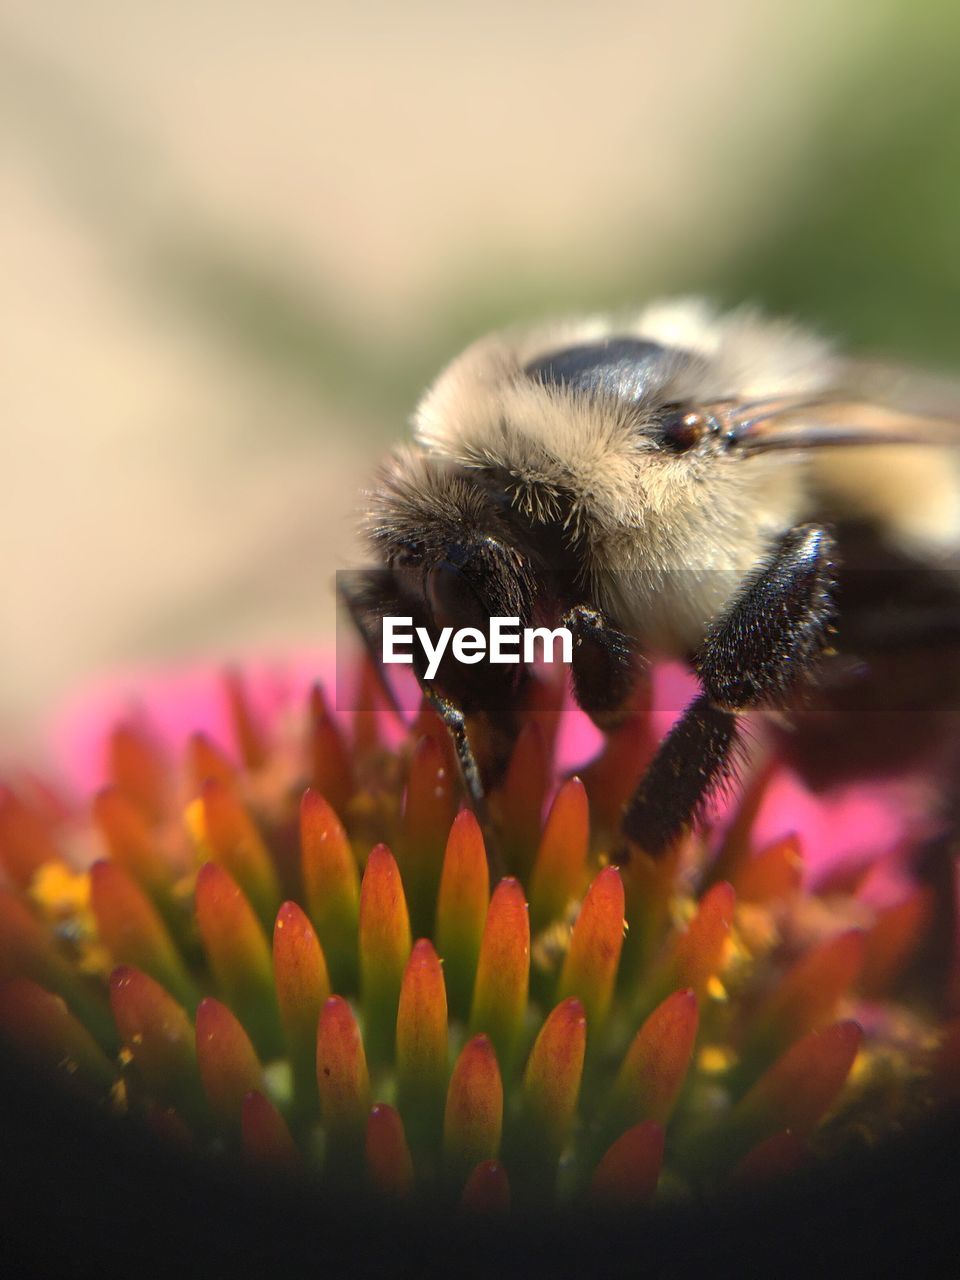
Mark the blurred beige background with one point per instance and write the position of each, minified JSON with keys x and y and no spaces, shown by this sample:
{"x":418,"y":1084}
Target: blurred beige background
{"x":236,"y":237}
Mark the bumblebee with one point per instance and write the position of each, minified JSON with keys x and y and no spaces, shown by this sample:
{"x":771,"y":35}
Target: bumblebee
{"x":679,"y":484}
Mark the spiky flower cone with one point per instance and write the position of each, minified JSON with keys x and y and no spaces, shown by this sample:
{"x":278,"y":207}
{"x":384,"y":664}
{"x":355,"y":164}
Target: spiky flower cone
{"x":297,"y":958}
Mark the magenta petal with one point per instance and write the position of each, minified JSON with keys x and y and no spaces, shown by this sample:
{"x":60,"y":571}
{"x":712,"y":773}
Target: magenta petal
{"x":850,"y":824}
{"x":175,"y":702}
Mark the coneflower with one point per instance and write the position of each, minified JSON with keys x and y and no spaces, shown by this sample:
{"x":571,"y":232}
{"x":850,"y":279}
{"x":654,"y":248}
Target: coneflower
{"x":295,"y":955}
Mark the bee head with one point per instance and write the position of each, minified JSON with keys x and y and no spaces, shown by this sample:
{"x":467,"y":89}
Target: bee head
{"x":452,"y":561}
{"x":669,"y":397}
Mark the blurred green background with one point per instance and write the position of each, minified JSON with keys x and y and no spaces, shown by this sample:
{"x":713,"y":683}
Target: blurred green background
{"x":237,"y":239}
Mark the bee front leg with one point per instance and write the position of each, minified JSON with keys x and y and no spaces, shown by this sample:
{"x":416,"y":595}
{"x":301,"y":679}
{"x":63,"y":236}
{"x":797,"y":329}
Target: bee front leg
{"x":368,"y":596}
{"x":755,"y":656}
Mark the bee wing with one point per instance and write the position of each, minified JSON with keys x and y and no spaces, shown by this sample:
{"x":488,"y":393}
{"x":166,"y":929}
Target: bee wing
{"x":873,"y":404}
{"x":925,"y":406}
{"x":909,"y":490}
{"x":904,"y":387}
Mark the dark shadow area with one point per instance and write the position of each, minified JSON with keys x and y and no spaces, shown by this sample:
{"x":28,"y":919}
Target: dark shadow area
{"x":84,"y":1194}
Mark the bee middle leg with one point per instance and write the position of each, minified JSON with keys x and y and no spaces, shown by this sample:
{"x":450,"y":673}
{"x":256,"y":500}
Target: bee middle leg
{"x":755,"y":656}
{"x":604,"y":667}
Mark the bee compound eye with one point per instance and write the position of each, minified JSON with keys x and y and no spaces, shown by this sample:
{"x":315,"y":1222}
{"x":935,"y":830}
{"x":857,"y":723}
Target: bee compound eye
{"x":681,"y":429}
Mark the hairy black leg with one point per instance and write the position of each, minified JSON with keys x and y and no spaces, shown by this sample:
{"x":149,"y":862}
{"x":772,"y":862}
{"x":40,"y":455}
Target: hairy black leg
{"x":755,"y":656}
{"x":763,"y":648}
{"x":691,"y":760}
{"x":604,"y":666}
